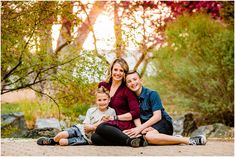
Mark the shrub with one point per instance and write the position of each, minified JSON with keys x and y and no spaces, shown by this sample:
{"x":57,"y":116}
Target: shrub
{"x":198,"y":64}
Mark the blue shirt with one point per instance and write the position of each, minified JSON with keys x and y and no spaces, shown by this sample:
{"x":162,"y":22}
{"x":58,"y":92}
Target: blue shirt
{"x":149,"y":102}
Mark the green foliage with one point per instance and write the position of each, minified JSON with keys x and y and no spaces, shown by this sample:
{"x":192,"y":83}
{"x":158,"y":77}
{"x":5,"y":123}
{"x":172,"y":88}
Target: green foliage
{"x":198,"y":65}
{"x":10,"y":108}
{"x":227,"y":12}
{"x":9,"y":131}
{"x":31,"y":110}
{"x":68,"y":76}
{"x":25,"y":32}
{"x":75,"y":83}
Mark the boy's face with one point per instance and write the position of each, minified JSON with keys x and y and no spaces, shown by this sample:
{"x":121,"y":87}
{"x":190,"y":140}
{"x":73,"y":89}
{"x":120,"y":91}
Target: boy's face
{"x":133,"y":82}
{"x":102,"y":100}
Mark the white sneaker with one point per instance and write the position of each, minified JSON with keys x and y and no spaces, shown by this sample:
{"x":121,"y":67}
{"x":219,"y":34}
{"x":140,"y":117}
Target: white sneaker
{"x":197,"y":140}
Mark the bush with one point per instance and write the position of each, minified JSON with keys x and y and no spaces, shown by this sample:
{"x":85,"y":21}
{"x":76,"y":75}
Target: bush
{"x":198,"y":65}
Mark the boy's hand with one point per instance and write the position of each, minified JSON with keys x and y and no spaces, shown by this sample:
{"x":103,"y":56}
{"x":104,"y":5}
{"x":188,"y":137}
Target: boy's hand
{"x":88,"y":128}
{"x":147,"y":130}
{"x":106,"y":118}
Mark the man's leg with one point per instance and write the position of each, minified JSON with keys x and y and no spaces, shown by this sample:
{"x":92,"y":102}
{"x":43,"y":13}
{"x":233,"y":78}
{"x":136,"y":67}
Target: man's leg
{"x":154,"y":137}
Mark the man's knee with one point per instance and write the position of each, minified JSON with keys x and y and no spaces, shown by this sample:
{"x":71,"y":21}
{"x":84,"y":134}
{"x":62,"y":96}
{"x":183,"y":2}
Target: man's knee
{"x":152,"y":136}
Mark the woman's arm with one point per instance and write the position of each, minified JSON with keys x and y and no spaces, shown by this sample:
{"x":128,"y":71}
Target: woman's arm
{"x":133,"y":104}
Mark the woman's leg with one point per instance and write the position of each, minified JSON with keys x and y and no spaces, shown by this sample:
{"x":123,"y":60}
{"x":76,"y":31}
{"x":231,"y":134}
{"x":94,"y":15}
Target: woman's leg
{"x":99,"y":140}
{"x":112,"y":134}
{"x":154,"y":137}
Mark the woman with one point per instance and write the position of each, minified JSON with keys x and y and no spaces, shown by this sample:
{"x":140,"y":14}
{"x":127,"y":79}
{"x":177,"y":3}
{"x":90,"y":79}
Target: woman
{"x":126,"y":105}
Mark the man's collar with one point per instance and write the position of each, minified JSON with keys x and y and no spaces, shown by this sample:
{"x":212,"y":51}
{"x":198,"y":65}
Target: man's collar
{"x":143,"y":93}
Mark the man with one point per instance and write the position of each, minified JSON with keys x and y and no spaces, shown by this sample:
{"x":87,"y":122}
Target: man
{"x":154,"y":121}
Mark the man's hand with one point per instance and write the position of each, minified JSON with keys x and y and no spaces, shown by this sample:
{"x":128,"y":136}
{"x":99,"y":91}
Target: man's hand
{"x":147,"y":130}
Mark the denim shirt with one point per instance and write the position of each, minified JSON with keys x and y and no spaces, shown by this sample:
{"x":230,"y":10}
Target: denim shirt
{"x":149,"y":102}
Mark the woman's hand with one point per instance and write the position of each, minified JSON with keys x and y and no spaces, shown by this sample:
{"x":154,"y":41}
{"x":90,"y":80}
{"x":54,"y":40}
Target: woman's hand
{"x":134,"y":132}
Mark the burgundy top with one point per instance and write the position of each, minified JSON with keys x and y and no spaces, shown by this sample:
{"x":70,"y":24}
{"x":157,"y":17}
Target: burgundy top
{"x":123,"y":101}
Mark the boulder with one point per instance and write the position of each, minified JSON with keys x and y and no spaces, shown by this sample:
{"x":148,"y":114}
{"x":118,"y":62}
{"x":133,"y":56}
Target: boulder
{"x":13,"y":125}
{"x":46,"y":132}
{"x":42,"y":123}
{"x":216,"y":130}
{"x":184,"y":125}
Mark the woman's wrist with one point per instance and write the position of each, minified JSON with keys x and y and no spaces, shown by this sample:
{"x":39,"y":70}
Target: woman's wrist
{"x":115,"y":117}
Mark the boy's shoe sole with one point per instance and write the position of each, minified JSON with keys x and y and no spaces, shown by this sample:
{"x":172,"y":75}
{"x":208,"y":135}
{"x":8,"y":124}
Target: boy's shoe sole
{"x":44,"y":141}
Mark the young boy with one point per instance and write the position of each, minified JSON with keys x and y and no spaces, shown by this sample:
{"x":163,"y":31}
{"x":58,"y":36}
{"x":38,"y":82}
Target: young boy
{"x":154,"y":120}
{"x":81,"y":134}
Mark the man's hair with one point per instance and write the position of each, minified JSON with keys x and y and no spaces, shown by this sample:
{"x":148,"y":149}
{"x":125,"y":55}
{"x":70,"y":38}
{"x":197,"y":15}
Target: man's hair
{"x":102,"y":90}
{"x":132,"y":72}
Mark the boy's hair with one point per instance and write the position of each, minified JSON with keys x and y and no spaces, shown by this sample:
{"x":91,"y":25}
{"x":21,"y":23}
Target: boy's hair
{"x":102,"y":90}
{"x":132,"y":72}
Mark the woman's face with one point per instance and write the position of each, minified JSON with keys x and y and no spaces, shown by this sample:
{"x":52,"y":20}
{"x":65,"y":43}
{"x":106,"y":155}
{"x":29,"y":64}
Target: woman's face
{"x":117,"y":72}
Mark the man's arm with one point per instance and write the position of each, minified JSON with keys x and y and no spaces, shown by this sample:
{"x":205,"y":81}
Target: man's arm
{"x":137,"y":130}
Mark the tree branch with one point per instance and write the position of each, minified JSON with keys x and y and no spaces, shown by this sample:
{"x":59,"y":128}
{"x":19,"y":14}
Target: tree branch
{"x":40,"y":92}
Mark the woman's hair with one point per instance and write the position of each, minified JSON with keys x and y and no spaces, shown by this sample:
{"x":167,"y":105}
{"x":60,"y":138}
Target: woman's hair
{"x":102,"y":90}
{"x":123,"y":64}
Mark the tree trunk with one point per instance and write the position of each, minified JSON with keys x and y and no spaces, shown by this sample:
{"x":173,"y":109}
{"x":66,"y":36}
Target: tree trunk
{"x":118,"y":32}
{"x":84,"y":30}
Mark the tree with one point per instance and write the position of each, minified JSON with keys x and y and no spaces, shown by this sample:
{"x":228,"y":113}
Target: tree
{"x":198,"y":65}
{"x":143,"y":24}
{"x":28,"y":60}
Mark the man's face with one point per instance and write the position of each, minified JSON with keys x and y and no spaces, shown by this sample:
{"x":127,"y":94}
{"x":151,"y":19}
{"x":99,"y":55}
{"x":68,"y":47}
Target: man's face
{"x":133,"y":82}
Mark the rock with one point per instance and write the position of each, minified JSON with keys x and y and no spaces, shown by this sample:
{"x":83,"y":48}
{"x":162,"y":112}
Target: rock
{"x":13,"y":125}
{"x":216,"y":130}
{"x":42,"y":123}
{"x":14,"y":119}
{"x":46,"y":132}
{"x":184,"y":125}
{"x":203,"y":130}
{"x":178,"y":125}
{"x":189,"y":124}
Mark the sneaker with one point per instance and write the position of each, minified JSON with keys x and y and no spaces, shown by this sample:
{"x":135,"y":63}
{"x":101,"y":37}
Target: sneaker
{"x":138,"y":141}
{"x":135,"y":142}
{"x":197,"y":140}
{"x":46,"y":141}
{"x":143,"y":141}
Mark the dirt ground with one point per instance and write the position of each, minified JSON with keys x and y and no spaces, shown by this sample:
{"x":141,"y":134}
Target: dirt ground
{"x":28,"y":147}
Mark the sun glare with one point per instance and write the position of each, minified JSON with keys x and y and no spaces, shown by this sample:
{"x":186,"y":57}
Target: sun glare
{"x":104,"y":32}
{"x":55,"y":35}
